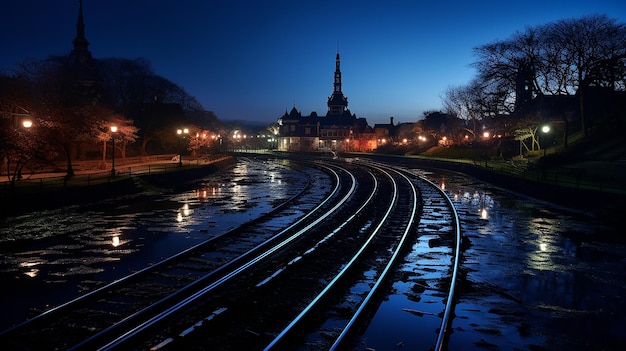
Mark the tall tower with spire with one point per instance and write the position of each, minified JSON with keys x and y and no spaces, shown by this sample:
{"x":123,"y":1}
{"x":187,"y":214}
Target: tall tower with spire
{"x":337,"y":102}
{"x":87,"y":81}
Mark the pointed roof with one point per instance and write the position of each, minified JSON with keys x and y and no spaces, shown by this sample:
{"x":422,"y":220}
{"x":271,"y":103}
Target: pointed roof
{"x":81,"y":64}
{"x":295,"y":113}
{"x":80,"y":52}
{"x":337,"y":102}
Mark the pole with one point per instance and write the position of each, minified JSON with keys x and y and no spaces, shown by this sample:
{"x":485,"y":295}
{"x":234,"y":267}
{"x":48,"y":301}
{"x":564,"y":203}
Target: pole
{"x":113,"y":156}
{"x":180,"y":157}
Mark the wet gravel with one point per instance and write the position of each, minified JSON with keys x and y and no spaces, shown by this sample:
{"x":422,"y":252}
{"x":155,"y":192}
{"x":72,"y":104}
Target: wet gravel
{"x":534,"y":276}
{"x":49,"y":257}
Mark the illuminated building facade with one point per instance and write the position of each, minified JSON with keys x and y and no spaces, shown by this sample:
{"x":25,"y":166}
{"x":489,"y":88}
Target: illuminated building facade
{"x":338,"y":131}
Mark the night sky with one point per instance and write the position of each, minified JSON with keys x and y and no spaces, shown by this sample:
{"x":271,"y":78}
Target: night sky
{"x":252,"y":60}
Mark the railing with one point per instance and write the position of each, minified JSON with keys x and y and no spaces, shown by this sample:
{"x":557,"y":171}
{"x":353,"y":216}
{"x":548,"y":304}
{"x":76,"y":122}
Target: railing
{"x":42,"y":182}
{"x":579,"y":178}
{"x":252,"y":150}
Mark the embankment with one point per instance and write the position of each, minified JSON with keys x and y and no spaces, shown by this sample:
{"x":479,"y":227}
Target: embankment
{"x":17,"y":203}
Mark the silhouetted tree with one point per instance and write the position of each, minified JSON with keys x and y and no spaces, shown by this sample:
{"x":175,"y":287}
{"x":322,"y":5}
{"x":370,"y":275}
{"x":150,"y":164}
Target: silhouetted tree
{"x":63,"y":123}
{"x":157,"y":105}
{"x":465,"y":103}
{"x":586,"y":46}
{"x":565,"y":57}
{"x":437,"y":124}
{"x":20,"y":146}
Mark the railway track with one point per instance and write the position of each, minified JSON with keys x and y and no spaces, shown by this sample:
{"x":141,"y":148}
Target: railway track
{"x":123,"y":301}
{"x":308,"y":285}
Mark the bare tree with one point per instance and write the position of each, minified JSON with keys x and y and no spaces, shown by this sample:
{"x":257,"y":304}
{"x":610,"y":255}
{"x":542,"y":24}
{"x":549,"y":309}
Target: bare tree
{"x":21,"y":142}
{"x":592,"y":53}
{"x":565,"y":57}
{"x":470,"y":102}
{"x":62,"y":122}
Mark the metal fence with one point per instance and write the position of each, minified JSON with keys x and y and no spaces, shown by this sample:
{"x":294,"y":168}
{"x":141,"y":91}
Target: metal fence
{"x":578,"y":178}
{"x":42,"y":182}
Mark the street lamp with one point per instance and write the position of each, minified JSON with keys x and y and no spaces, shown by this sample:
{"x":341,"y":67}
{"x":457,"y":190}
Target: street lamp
{"x":113,"y":131}
{"x":27,"y":123}
{"x":182,"y":133}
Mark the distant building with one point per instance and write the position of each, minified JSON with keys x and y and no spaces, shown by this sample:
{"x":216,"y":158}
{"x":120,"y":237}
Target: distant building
{"x":385,"y":132}
{"x":338,"y":130}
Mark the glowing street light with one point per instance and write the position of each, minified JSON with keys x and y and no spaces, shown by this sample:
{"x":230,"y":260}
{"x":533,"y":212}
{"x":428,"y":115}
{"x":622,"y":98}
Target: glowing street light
{"x":27,"y":123}
{"x":113,"y":131}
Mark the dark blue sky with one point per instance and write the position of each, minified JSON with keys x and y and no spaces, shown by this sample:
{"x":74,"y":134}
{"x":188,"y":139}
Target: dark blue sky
{"x":253,"y":59}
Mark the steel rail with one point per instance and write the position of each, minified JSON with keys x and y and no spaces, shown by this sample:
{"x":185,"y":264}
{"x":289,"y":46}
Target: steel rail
{"x":129,"y":319}
{"x":386,"y":270}
{"x":445,"y":321}
{"x":128,"y":335}
{"x":117,"y":282}
{"x":331,"y":285}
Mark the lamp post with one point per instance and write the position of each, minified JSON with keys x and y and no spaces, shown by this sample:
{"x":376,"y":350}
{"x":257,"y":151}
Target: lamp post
{"x":182,"y":133}
{"x":113,"y":131}
{"x":545,"y":130}
{"x":27,"y":124}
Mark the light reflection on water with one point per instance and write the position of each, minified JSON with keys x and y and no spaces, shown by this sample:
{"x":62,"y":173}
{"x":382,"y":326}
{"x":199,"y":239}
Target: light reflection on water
{"x":537,"y":275}
{"x":57,"y":250}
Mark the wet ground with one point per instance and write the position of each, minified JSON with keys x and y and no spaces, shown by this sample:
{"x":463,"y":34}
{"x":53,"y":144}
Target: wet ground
{"x":535,"y":276}
{"x":48,"y":257}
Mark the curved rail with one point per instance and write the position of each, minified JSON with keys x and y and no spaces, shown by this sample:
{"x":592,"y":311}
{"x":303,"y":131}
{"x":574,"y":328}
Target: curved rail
{"x":445,"y":321}
{"x":349,"y":265}
{"x":120,"y":281}
{"x":129,"y":335}
{"x":332,"y":283}
{"x":189,"y":287}
{"x":387,"y":269}
{"x":146,"y":321}
{"x":447,"y":313}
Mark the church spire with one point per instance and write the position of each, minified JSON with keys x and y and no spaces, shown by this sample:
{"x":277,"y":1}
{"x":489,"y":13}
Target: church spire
{"x":86,"y":80}
{"x":337,"y":84}
{"x":337,"y":102}
{"x":80,"y":42}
